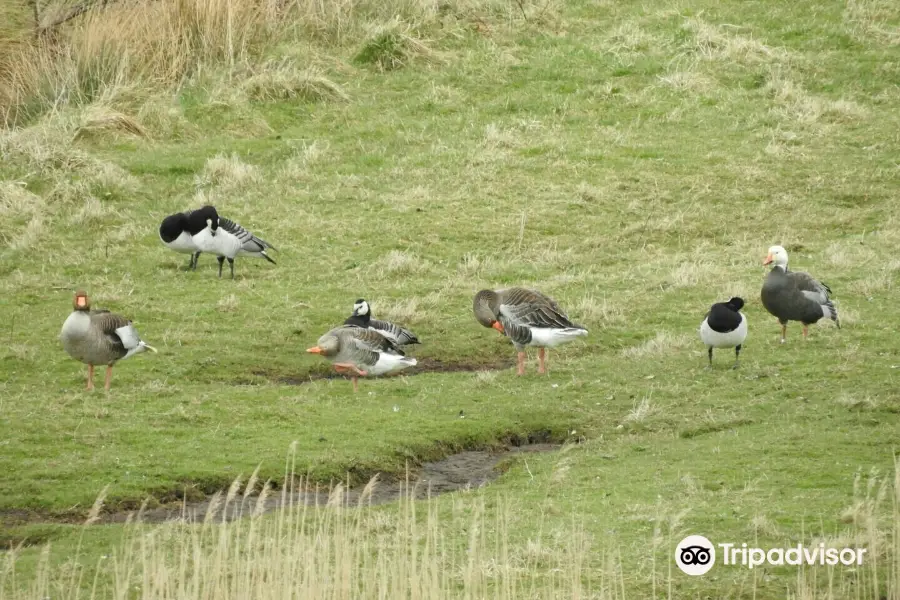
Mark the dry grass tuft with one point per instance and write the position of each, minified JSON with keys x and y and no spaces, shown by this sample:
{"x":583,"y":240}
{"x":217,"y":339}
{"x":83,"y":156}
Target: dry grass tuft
{"x":284,"y":80}
{"x":796,"y":104}
{"x":874,"y":21}
{"x":662,"y":344}
{"x":398,"y":311}
{"x":99,"y":121}
{"x":712,"y":42}
{"x":227,"y":172}
{"x":688,"y":81}
{"x":398,"y":262}
{"x":392,"y":46}
{"x":854,"y":402}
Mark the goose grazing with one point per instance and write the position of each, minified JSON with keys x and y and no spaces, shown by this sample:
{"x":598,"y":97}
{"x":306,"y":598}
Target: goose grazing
{"x":793,"y":295}
{"x":724,"y":326}
{"x":361,"y":352}
{"x":99,"y":338}
{"x":178,"y":231}
{"x":232,"y":240}
{"x":528,"y":318}
{"x":362,"y":317}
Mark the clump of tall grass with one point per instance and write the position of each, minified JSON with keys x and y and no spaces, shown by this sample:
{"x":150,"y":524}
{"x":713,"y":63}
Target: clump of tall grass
{"x":333,"y":549}
{"x":129,"y":49}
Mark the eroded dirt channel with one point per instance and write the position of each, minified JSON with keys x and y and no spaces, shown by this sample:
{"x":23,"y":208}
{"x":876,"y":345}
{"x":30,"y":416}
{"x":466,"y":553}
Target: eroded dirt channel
{"x":469,"y":469}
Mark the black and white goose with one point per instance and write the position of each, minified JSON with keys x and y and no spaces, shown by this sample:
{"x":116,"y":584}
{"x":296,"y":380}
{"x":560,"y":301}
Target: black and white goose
{"x":231,"y":241}
{"x":724,"y":326}
{"x":362,"y":317}
{"x":179,"y":231}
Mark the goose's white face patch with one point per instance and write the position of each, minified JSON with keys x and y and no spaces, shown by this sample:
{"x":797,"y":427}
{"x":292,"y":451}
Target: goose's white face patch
{"x":361,"y":308}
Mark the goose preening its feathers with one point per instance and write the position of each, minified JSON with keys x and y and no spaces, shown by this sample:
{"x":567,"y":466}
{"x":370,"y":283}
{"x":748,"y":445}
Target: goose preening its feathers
{"x":528,"y":318}
{"x":99,"y":338}
{"x":362,"y":317}
{"x":361,"y":352}
{"x":231,"y":241}
{"x":724,"y":326}
{"x":794,"y":295}
{"x":179,"y":231}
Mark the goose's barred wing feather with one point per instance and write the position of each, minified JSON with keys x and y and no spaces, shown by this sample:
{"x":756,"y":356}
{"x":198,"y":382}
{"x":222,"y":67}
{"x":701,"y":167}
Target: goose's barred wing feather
{"x":250,"y":242}
{"x":531,"y":308}
{"x":372,"y":341}
{"x":404,"y":336}
{"x":108,"y":323}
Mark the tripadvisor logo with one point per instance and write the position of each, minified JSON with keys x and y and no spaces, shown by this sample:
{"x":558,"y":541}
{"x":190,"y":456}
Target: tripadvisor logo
{"x":695,"y":555}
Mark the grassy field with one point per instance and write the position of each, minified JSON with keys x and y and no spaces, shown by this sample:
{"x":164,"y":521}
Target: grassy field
{"x":633,"y":160}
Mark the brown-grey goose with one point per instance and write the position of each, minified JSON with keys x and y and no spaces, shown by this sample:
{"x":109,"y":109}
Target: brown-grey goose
{"x":361,"y":352}
{"x":99,"y":338}
{"x":362,"y":317}
{"x":724,"y":326}
{"x":528,"y":318}
{"x":794,"y":295}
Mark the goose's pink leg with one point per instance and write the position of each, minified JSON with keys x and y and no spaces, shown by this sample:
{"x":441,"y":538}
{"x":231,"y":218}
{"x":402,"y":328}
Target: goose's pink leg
{"x":542,"y":367}
{"x":108,"y":377}
{"x":520,"y":364}
{"x":90,"y":381}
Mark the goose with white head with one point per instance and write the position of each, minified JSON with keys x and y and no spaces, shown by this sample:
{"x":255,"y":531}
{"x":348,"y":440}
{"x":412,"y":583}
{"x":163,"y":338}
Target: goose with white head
{"x":362,"y":317}
{"x":99,"y":338}
{"x":528,"y":318}
{"x":795,"y":295}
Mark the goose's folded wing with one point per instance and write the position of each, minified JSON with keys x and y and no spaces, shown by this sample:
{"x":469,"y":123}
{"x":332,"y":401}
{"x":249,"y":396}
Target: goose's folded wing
{"x":533,"y":309}
{"x":372,"y":341}
{"x":404,"y":336}
{"x":249,"y":242}
{"x":810,"y":287}
{"x":117,"y":329}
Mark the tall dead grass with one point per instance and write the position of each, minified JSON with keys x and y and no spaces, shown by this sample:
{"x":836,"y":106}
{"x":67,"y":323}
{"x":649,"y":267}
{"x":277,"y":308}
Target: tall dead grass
{"x":422,"y":549}
{"x":128,"y":49}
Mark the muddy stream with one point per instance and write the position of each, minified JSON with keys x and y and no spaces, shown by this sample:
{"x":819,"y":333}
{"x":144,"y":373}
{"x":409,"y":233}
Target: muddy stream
{"x":469,"y":469}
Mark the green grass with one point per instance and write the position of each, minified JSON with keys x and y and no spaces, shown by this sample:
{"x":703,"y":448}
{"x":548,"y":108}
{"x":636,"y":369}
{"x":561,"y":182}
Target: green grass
{"x":635,"y":161}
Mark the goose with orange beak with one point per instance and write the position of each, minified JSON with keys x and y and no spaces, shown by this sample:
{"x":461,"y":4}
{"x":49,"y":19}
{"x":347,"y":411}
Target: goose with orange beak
{"x":360,"y":352}
{"x":99,"y":338}
{"x":528,"y":318}
{"x":794,"y":295}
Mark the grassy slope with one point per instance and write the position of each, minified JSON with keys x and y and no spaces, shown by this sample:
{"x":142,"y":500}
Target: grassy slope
{"x":655,"y":153}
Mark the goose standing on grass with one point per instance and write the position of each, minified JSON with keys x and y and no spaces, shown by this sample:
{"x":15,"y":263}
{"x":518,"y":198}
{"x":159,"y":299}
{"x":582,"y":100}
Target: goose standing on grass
{"x":361,"y":352}
{"x":178,"y":231}
{"x":232,"y":240}
{"x":794,"y":295}
{"x":528,"y":318}
{"x":724,"y":326}
{"x":362,"y":317}
{"x":99,"y":338}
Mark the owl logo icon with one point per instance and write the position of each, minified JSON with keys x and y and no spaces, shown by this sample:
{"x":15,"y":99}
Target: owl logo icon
{"x":695,"y":555}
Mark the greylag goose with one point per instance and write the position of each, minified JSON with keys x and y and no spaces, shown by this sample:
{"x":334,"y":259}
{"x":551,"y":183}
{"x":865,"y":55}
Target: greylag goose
{"x":361,"y":352}
{"x":178,"y":231}
{"x":528,"y":318}
{"x":99,"y":338}
{"x":724,"y":326}
{"x":794,"y":295}
{"x":362,"y":317}
{"x":232,"y":240}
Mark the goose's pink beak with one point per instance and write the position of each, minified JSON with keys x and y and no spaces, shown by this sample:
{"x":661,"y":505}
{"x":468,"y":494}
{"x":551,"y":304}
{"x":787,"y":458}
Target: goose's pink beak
{"x":768,"y":259}
{"x":314,"y":350}
{"x":498,"y":326}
